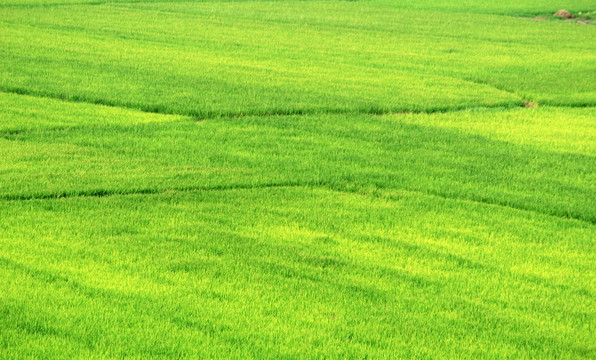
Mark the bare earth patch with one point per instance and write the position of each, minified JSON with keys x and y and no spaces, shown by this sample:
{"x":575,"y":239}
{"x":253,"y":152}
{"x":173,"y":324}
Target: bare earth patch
{"x":564,"y":14}
{"x":583,"y":18}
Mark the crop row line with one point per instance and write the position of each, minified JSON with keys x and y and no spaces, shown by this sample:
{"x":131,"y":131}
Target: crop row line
{"x":141,"y":191}
{"x":98,"y":193}
{"x":84,"y":3}
{"x":202,"y":116}
{"x":279,"y":112}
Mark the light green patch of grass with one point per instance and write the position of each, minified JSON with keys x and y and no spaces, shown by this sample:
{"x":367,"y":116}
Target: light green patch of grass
{"x":23,"y":113}
{"x":468,"y":6}
{"x":587,"y":15}
{"x":548,"y":128}
{"x":206,"y":59}
{"x":270,"y":273}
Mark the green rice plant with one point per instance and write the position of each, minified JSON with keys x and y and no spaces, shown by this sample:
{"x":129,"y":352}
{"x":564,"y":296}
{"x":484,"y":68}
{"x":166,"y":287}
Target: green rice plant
{"x":209,"y":59}
{"x":292,"y":272}
{"x":297,"y":179}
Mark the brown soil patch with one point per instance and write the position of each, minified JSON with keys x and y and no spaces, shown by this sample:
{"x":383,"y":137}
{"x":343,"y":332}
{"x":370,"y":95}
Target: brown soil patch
{"x":564,"y":14}
{"x":530,"y":104}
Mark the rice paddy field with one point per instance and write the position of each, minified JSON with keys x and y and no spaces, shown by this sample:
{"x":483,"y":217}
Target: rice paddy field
{"x":377,"y":179}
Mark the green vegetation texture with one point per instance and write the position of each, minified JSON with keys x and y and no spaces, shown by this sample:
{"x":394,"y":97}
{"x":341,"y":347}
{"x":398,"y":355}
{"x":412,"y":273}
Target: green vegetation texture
{"x":297,"y":180}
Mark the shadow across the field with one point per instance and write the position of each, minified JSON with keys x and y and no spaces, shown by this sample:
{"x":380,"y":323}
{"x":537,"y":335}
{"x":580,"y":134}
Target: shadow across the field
{"x":339,"y":152}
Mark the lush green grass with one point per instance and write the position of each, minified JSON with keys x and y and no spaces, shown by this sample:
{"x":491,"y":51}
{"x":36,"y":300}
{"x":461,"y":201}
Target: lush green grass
{"x":293,"y":272}
{"x":256,"y":58}
{"x":474,"y":6}
{"x":149,"y":152}
{"x":328,"y":230}
{"x":296,"y":180}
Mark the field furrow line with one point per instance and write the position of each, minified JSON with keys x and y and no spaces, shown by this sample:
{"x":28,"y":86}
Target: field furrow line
{"x":143,"y":191}
{"x":234,"y":115}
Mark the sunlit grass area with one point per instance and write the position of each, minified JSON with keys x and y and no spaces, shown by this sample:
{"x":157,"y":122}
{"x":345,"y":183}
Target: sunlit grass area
{"x":297,"y":180}
{"x":291,"y":272}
